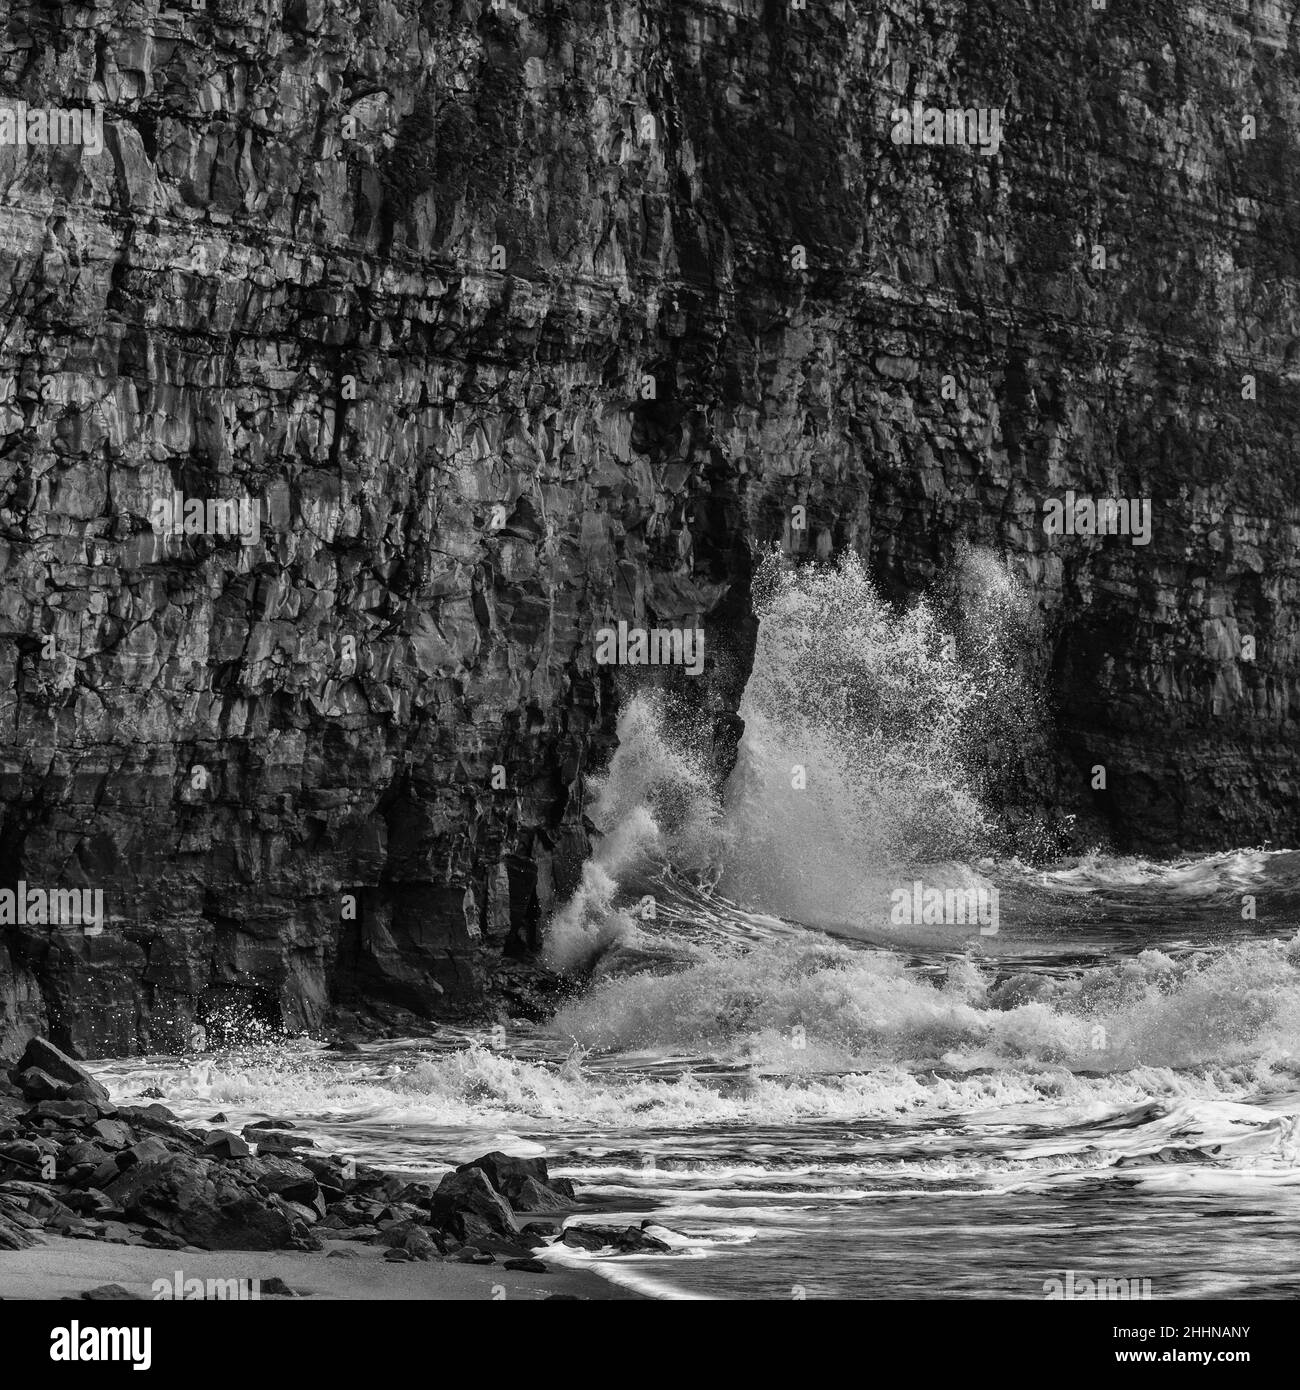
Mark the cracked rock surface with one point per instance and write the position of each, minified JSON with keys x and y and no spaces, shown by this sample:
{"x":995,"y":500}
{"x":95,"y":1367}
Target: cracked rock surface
{"x":400,"y":273}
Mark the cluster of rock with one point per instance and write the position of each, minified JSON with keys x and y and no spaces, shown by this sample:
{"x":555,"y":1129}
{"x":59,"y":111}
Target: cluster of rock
{"x":472,"y":1216}
{"x":74,"y":1164}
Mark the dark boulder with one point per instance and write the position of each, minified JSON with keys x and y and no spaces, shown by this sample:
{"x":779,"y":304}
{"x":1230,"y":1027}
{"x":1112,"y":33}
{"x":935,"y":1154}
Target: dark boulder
{"x":79,"y":1155}
{"x":91,"y":1091}
{"x":219,"y":1143}
{"x":627,"y":1241}
{"x":112,"y":1134}
{"x":142,"y":1152}
{"x":21,"y":1158}
{"x":153,"y":1111}
{"x":532,"y":1196}
{"x":72,"y":1112}
{"x":417,"y":1193}
{"x":120,"y":1233}
{"x":632,"y":1240}
{"x":471,"y":1229}
{"x":524,"y":1182}
{"x":468,"y":1191}
{"x":350,"y":1212}
{"x":42,"y":1054}
{"x":107,"y":1172}
{"x":160,"y":1122}
{"x":294,"y":1182}
{"x":89,"y":1203}
{"x":542,"y":1230}
{"x":506,"y":1173}
{"x":36,"y":1084}
{"x":402,"y":1211}
{"x":272,"y":1141}
{"x":45,"y":1206}
{"x":67,"y":1223}
{"x":395,"y":1234}
{"x":299,"y":1211}
{"x":418,"y":1243}
{"x":587,"y":1237}
{"x":201,"y":1203}
{"x":472,"y":1255}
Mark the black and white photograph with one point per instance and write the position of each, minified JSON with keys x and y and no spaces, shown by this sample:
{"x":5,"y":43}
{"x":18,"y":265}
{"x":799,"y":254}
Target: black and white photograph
{"x":649,"y":652}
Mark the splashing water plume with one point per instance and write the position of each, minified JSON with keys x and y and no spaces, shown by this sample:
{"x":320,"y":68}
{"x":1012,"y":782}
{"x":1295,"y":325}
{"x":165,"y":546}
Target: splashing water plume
{"x":858,"y":721}
{"x":865,"y":733}
{"x":654,"y":807}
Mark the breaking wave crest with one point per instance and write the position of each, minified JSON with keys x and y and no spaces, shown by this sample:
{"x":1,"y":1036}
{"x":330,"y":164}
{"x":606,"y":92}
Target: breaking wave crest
{"x":654,"y":807}
{"x":397,"y":1100}
{"x":816,"y":1007}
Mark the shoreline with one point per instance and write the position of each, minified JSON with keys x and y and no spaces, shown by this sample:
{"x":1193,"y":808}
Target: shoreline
{"x":96,"y":1194}
{"x":62,"y":1268}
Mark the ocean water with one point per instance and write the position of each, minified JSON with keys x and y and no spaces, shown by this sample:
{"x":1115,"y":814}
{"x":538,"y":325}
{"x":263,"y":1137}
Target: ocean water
{"x":818,"y":1099}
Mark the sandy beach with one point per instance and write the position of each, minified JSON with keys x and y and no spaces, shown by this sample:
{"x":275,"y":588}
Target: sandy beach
{"x":62,"y":1268}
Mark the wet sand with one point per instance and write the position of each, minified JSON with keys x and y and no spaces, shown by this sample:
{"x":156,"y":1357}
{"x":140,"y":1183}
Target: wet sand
{"x":62,"y":1268}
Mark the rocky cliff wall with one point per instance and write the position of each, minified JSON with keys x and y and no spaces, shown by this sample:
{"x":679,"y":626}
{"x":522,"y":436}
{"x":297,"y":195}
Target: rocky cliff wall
{"x":403,"y":274}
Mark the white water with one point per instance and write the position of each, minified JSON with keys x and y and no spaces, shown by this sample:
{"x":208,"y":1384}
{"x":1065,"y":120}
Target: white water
{"x":819,"y":1101}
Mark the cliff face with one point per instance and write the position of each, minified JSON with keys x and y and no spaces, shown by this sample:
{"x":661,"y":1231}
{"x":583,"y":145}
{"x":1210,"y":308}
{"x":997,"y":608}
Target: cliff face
{"x":401,"y":272}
